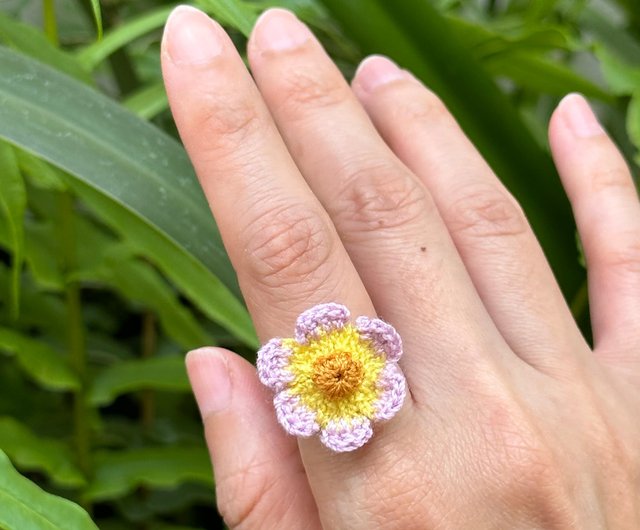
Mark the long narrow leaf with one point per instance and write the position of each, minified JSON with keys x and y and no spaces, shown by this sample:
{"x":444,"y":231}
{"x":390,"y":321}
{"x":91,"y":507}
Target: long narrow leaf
{"x":13,"y":200}
{"x":149,"y":101}
{"x":97,"y":16}
{"x":32,"y":42}
{"x":234,"y":13}
{"x":128,"y":166}
{"x":91,"y":56}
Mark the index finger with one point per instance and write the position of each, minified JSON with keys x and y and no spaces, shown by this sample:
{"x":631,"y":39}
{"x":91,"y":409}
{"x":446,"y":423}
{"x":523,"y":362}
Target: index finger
{"x":281,"y":241}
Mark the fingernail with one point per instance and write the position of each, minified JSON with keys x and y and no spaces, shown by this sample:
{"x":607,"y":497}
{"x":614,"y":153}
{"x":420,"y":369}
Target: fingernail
{"x":191,"y":37}
{"x":279,"y":30}
{"x":579,"y":116}
{"x":210,"y":381}
{"x":376,"y":71}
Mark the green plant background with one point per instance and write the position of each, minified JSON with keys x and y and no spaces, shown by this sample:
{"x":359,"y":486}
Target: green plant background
{"x":111,"y":266}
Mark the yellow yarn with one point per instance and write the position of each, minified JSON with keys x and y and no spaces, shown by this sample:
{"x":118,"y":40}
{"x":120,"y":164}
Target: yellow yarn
{"x":303,"y":364}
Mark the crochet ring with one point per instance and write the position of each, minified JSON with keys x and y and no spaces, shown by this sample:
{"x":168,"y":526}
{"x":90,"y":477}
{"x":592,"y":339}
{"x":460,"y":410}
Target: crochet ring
{"x":335,"y":377}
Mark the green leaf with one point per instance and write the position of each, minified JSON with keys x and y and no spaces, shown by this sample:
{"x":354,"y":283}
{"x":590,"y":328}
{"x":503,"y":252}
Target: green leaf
{"x":42,"y":255}
{"x":23,"y":505}
{"x":507,"y":37}
{"x":165,"y":373}
{"x":13,"y":200}
{"x":97,"y":16}
{"x":159,"y":502}
{"x":39,"y":173}
{"x":622,"y":77}
{"x":40,"y":361}
{"x":118,"y":473}
{"x":139,"y":282}
{"x":422,"y":40}
{"x":101,"y":258}
{"x":188,"y":274}
{"x":92,"y":55}
{"x":32,"y":42}
{"x":137,"y":176}
{"x":32,"y":452}
{"x":633,"y":123}
{"x":149,"y":101}
{"x":234,"y":13}
{"x":543,"y":75}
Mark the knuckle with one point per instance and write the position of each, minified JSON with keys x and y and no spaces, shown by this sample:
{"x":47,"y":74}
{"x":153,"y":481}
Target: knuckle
{"x":378,"y":196}
{"x":288,"y":245}
{"x":611,"y":178}
{"x":246,"y":498}
{"x":426,"y":108}
{"x":486,"y":212}
{"x":624,"y":259}
{"x":524,"y":469}
{"x":303,"y":89}
{"x":402,"y":501}
{"x":226,"y":124}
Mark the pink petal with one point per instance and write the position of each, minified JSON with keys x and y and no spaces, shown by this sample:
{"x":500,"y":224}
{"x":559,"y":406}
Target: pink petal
{"x":319,"y":318}
{"x":384,"y":338}
{"x":346,"y":435}
{"x":272,"y":362}
{"x":393,"y":390}
{"x":296,"y":418}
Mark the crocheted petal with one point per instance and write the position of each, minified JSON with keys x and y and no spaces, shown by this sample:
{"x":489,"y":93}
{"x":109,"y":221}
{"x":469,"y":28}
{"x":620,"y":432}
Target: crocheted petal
{"x":272,"y":362}
{"x":319,"y":318}
{"x":296,"y":418}
{"x":393,"y":389}
{"x":385,"y":339}
{"x":346,"y":435}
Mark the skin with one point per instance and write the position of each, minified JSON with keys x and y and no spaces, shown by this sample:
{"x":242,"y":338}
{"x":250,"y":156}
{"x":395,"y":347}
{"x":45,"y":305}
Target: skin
{"x":370,"y":195}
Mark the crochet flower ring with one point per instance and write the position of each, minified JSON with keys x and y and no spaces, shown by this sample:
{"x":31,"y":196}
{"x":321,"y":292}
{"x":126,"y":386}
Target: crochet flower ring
{"x":335,"y":377}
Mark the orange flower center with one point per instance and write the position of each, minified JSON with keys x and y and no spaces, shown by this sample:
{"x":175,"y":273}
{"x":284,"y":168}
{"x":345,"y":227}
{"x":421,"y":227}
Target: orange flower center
{"x":337,"y":375}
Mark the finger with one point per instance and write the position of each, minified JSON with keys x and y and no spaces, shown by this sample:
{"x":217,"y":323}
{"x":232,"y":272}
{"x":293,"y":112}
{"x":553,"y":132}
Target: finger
{"x":260,"y":480}
{"x":281,"y":241}
{"x":607,"y":211}
{"x":385,"y":218}
{"x":490,"y":231}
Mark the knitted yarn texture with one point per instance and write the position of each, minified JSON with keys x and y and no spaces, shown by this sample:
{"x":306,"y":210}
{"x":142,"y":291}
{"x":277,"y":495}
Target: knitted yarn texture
{"x":335,"y":378}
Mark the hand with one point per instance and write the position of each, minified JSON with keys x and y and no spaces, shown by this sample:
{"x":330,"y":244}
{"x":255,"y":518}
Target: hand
{"x":372,"y":196}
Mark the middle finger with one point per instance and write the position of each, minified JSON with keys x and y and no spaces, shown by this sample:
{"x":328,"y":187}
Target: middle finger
{"x":385,"y":217}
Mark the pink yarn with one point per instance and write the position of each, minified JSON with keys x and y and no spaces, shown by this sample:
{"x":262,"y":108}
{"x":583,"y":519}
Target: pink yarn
{"x":294,"y":416}
{"x":272,"y":362}
{"x":343,"y":435}
{"x":393,"y":392}
{"x":339,"y":434}
{"x":383,"y":336}
{"x":322,"y":317}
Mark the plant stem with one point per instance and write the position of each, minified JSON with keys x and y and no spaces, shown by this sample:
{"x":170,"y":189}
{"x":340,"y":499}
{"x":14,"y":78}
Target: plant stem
{"x":75,"y":332}
{"x":49,"y":19}
{"x":124,"y":71}
{"x":149,"y":340}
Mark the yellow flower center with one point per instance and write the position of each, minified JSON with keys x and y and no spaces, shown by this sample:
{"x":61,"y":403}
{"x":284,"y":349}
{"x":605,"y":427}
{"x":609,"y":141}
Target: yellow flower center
{"x":337,"y":375}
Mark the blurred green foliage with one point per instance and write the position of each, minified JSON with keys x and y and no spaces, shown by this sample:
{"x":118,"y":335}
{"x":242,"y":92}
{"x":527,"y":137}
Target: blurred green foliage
{"x":111,"y":266}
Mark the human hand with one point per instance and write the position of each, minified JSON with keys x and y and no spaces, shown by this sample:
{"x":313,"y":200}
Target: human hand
{"x":372,"y":196}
